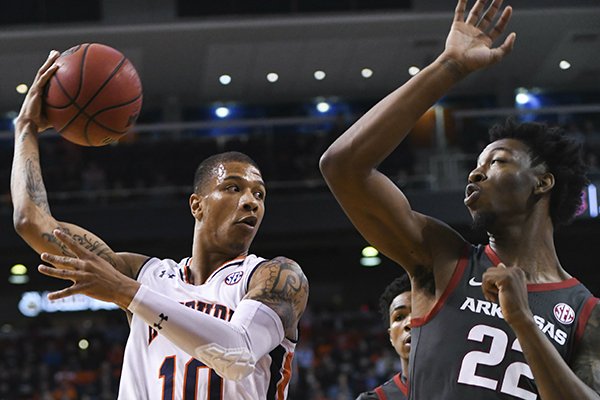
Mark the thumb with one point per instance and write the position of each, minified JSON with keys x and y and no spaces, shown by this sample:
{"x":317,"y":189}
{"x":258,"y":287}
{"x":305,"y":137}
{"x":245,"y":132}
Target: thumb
{"x":505,"y":48}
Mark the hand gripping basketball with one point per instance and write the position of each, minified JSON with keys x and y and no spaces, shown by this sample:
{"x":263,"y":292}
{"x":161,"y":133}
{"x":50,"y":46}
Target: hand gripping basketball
{"x":94,"y":97}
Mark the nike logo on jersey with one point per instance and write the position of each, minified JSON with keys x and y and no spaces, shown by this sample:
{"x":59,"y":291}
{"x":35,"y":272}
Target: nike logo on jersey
{"x":473,"y":282}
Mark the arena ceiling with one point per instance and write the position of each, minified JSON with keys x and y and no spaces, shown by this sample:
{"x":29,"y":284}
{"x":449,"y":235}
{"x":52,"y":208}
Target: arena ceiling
{"x":185,"y":59}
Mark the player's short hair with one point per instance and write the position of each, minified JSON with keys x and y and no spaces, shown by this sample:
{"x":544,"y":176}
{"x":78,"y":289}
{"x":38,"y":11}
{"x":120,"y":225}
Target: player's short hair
{"x":206,"y":169}
{"x":563,"y":156}
{"x":396,"y":287}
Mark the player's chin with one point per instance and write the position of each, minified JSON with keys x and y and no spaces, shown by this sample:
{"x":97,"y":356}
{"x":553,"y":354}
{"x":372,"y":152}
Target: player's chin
{"x":406,"y":345}
{"x":241,"y":240}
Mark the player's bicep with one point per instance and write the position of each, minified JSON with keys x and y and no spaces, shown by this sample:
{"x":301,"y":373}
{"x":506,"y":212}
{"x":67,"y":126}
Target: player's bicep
{"x":281,"y":285}
{"x":385,"y":218}
{"x":586,"y":363}
{"x":133,"y":263}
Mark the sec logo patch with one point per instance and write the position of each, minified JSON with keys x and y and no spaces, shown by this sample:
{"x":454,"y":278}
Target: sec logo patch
{"x":234,"y":278}
{"x":564,"y":313}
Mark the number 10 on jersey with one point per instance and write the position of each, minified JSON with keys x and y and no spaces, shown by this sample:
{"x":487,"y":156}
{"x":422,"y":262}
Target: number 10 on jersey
{"x":190,"y":380}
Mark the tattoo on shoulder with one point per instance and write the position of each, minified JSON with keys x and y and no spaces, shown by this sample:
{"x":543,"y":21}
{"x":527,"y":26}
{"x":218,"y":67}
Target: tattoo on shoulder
{"x":35,"y":185}
{"x":93,"y":245}
{"x":586,"y":363}
{"x":282,"y":286}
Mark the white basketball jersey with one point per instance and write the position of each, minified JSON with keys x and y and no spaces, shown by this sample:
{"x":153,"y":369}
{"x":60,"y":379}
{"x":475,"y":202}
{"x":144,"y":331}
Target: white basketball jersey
{"x":154,"y":368}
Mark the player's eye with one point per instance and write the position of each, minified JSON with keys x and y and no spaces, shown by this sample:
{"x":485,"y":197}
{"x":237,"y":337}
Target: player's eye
{"x":232,"y":188}
{"x":259,"y":195}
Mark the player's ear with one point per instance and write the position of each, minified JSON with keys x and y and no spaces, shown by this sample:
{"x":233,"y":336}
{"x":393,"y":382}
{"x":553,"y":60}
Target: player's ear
{"x":545,"y":183}
{"x":196,"y":205}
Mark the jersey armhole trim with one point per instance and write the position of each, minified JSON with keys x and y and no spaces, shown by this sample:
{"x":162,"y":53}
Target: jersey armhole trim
{"x":252,"y":273}
{"x":454,"y":280}
{"x":401,"y":385}
{"x":380,"y":393}
{"x":139,"y":272}
{"x":586,"y":311}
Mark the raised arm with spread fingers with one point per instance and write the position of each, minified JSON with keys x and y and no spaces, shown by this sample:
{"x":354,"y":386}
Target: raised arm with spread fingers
{"x":424,"y":246}
{"x":32,"y":217}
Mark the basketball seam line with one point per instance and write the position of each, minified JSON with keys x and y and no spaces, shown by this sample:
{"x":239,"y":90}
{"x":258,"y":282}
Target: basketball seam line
{"x":117,"y":68}
{"x":73,"y":100}
{"x":91,"y":118}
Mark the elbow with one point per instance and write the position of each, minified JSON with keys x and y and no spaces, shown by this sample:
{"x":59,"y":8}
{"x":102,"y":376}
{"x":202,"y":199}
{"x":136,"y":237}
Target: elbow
{"x":330,"y":164}
{"x":234,"y":364}
{"x":237,"y":374}
{"x":25,"y":225}
{"x":338,"y":167}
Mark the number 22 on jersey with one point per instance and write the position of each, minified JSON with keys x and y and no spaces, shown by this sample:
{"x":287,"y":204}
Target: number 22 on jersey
{"x":493,"y":357}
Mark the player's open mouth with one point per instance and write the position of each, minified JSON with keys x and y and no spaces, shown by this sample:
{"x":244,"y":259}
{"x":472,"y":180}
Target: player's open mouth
{"x":472,"y":192}
{"x":250,"y":221}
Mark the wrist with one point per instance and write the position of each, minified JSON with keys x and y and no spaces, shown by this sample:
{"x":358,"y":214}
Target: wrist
{"x":453,"y":66}
{"x":126,"y":293}
{"x":522,"y":323}
{"x":25,"y":124}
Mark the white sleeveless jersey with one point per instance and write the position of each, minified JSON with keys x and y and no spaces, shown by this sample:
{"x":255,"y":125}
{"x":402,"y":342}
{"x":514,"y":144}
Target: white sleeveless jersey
{"x":154,"y":368}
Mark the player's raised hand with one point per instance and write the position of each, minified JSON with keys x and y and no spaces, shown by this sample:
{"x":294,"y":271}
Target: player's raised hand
{"x":508,"y":287}
{"x":471,"y":38}
{"x":91,"y":274}
{"x":31,"y":110}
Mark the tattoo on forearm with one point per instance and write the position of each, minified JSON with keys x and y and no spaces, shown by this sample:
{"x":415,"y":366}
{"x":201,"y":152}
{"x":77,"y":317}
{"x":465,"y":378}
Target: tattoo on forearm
{"x":587,"y":362}
{"x":94,"y":246}
{"x":35,"y":185}
{"x":284,"y":288}
{"x":24,"y":135}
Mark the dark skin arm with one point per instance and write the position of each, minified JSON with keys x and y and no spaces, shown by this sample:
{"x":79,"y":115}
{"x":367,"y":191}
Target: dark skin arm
{"x":374,"y":204}
{"x":32,"y":217}
{"x":586,"y":363}
{"x":554,"y":379}
{"x":281,"y":285}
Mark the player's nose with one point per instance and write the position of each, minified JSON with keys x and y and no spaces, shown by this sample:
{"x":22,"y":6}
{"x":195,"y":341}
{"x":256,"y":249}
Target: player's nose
{"x":476,"y":175}
{"x":249,"y":201}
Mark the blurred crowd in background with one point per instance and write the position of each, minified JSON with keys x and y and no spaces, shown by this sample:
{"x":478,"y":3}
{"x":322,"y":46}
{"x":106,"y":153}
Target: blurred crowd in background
{"x":341,"y":353}
{"x":161,"y":165}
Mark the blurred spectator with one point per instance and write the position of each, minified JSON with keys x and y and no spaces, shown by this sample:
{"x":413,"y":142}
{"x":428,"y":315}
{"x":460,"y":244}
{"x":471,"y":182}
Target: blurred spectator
{"x":339,"y":355}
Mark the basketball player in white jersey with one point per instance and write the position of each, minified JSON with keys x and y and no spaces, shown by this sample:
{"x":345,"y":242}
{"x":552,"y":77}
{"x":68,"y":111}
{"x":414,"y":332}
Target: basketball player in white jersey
{"x":221,"y":324}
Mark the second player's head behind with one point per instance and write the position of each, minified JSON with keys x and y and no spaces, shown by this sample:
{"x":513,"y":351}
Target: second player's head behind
{"x":395,"y":306}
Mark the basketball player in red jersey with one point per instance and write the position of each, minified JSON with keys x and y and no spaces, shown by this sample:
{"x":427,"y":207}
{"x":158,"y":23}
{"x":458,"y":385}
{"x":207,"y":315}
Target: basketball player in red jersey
{"x":499,"y":321}
{"x":219,"y":324}
{"x":395,"y":307}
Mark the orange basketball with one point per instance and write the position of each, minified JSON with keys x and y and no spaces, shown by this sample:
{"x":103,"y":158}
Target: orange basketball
{"x":94,"y":97}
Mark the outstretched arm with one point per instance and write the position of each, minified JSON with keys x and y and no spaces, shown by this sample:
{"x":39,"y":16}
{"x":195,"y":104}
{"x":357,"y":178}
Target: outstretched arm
{"x":32,"y":217}
{"x":276,"y":299}
{"x":376,"y":206}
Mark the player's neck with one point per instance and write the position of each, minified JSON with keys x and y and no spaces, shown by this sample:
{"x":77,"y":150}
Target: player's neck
{"x":529,"y":246}
{"x":204,"y":263}
{"x":404,"y":366}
